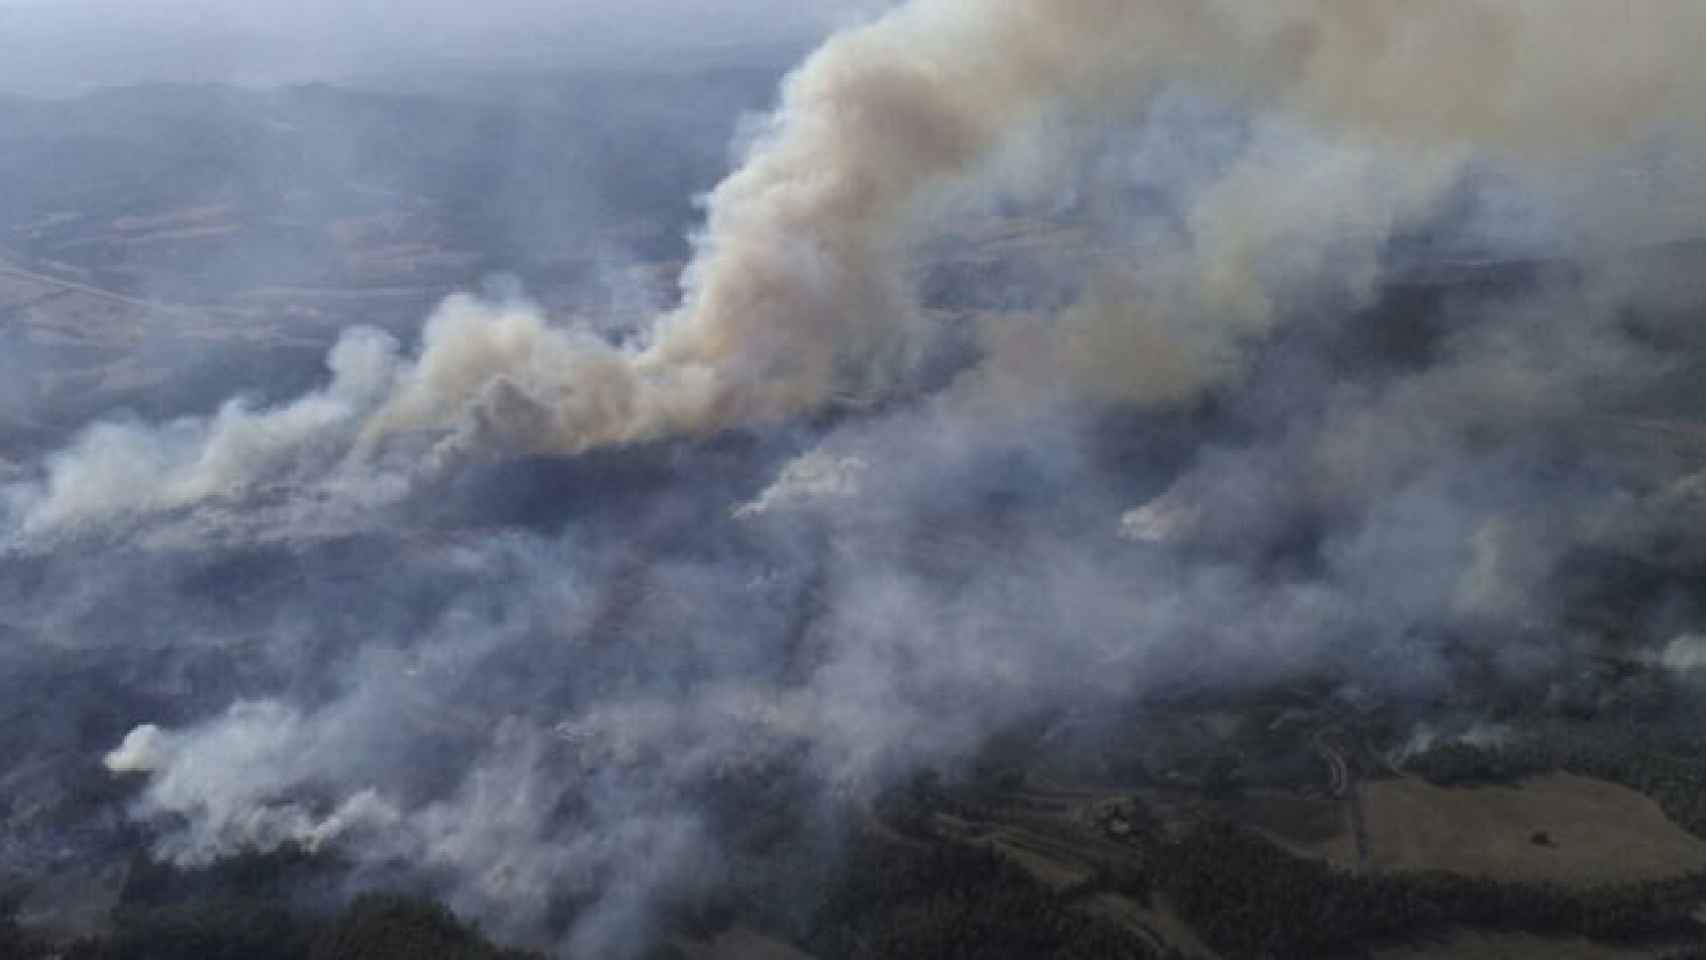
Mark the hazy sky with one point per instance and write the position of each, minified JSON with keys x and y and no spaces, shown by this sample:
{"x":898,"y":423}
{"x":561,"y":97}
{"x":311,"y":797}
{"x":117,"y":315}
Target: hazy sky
{"x":60,"y":46}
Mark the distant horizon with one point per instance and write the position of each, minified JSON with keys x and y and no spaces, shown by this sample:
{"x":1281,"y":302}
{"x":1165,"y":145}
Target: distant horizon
{"x":67,"y":49}
{"x":436,"y":77}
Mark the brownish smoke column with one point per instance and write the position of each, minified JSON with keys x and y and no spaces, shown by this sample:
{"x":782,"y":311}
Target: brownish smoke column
{"x":797,"y":294}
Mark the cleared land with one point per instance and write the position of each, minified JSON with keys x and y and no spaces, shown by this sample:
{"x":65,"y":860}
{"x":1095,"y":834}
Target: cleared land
{"x":1512,"y":946}
{"x":741,"y":943}
{"x":1597,"y":831}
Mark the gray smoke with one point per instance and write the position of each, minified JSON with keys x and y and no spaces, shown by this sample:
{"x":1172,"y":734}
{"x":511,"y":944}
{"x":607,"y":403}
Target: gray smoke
{"x":1259,"y":438}
{"x":799,"y":296}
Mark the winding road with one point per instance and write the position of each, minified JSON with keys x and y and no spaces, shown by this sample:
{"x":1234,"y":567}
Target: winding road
{"x":1342,"y":784}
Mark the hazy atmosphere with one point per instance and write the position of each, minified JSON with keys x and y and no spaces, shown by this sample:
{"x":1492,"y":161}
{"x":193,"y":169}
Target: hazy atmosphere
{"x":1054,"y":478}
{"x":60,"y":47}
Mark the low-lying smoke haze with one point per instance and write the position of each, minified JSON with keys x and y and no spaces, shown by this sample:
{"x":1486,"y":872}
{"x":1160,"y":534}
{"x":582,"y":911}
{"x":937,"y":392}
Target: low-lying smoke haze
{"x":1031,"y":359}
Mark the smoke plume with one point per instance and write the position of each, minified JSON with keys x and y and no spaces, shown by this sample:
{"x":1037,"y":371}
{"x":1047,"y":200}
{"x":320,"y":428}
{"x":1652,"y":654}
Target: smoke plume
{"x":798,"y":294}
{"x":1244,"y":439}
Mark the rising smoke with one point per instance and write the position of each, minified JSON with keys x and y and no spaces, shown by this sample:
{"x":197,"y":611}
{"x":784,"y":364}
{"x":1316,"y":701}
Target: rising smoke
{"x":798,"y":294}
{"x":1314,"y":473}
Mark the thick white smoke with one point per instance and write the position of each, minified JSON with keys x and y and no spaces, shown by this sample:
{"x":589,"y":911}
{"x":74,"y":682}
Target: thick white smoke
{"x":117,"y":470}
